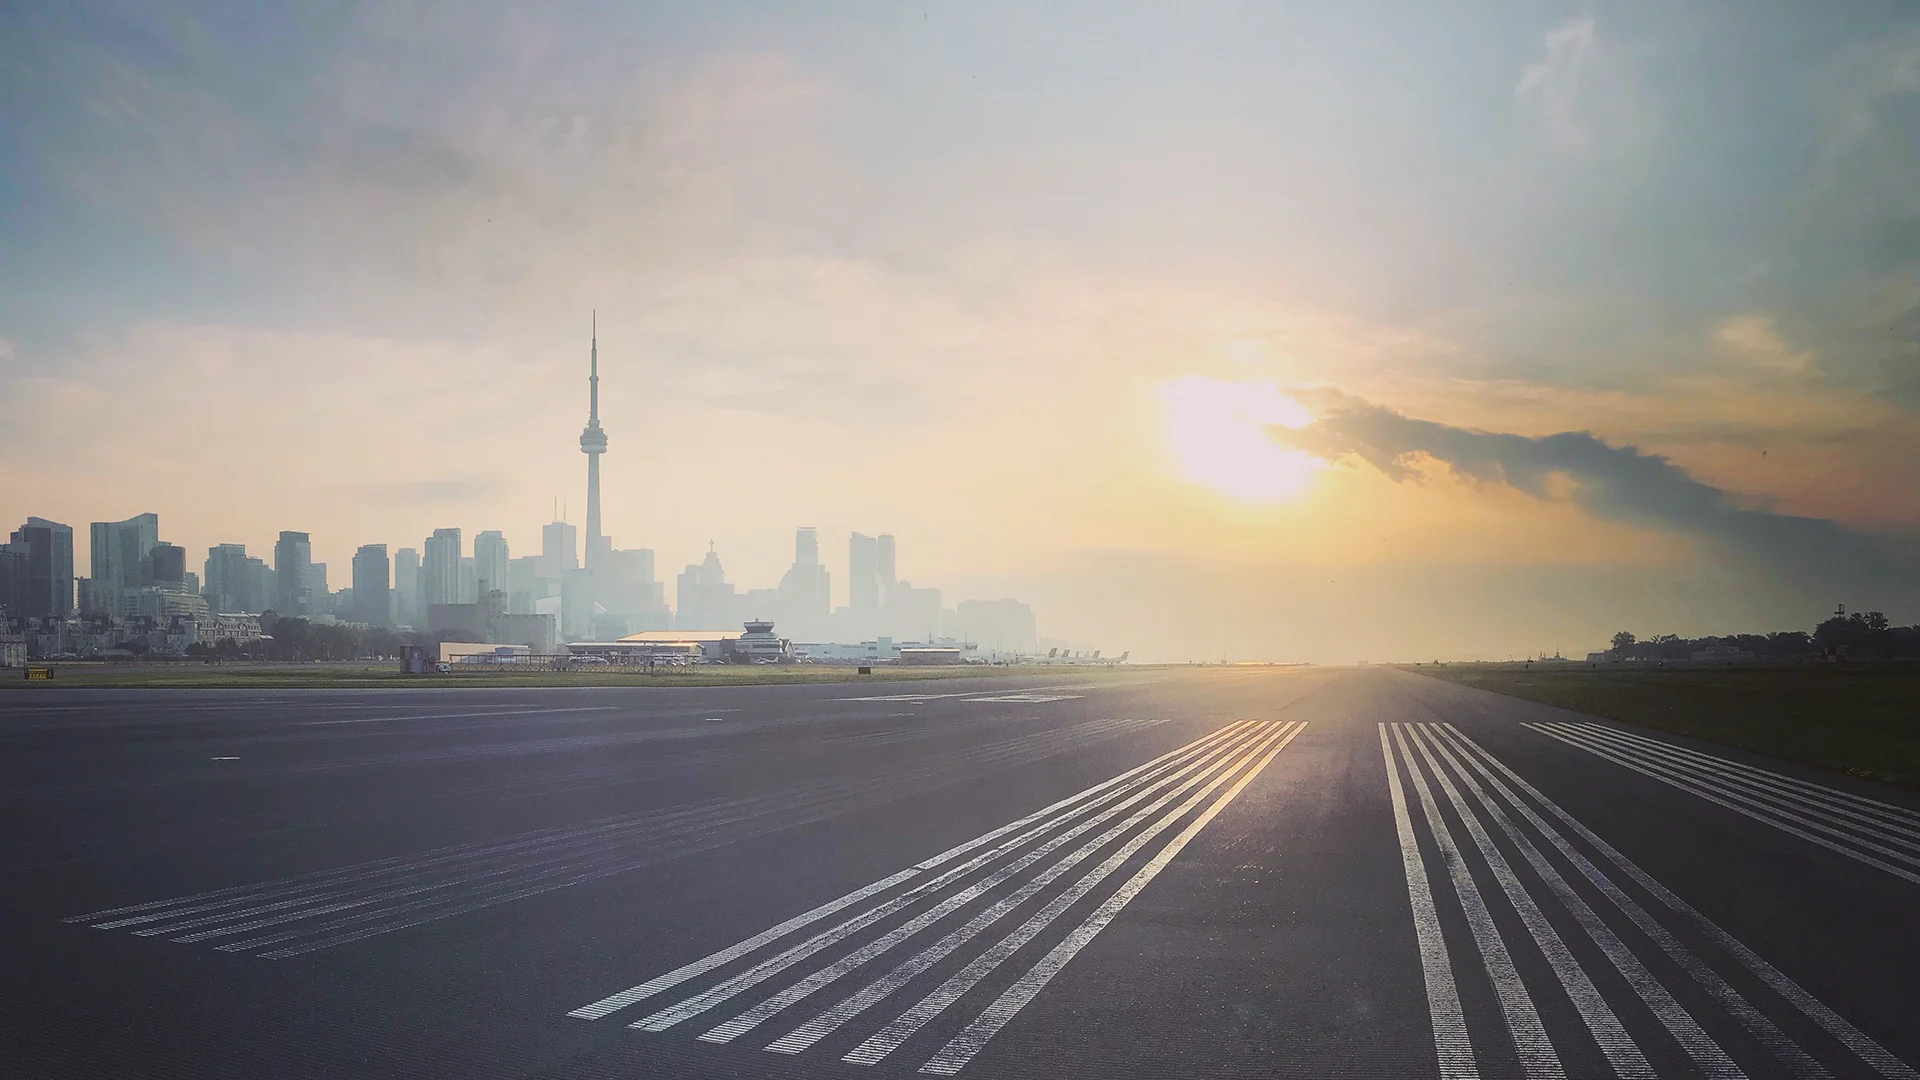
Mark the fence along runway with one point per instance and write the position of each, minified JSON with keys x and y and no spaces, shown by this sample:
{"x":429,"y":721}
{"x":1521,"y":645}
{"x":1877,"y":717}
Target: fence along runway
{"x":1647,"y":994}
{"x":1878,"y":834}
{"x":291,"y":916}
{"x":1008,"y":902}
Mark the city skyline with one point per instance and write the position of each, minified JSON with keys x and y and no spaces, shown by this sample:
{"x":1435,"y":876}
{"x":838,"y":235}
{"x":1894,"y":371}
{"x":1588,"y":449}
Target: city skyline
{"x":1513,"y":326}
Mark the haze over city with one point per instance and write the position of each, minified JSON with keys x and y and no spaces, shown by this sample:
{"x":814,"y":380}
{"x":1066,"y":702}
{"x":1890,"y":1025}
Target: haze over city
{"x":1201,"y":342}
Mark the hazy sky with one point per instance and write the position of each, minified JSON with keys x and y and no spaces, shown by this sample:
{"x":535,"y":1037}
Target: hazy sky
{"x":1257,"y":329}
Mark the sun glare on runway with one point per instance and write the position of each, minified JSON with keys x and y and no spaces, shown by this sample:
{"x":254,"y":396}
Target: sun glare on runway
{"x":1218,"y":431}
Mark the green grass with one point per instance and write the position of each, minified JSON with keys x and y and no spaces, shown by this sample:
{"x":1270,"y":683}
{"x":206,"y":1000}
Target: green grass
{"x":282,"y":676}
{"x":1861,"y":720}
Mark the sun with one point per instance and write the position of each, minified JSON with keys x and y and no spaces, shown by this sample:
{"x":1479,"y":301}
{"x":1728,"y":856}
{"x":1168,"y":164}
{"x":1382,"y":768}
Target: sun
{"x":1218,"y":431}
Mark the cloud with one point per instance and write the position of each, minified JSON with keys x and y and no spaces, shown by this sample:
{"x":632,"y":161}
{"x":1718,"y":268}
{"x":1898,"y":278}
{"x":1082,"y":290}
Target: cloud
{"x":1615,"y":483}
{"x":1755,"y":341}
{"x":1862,"y":84}
{"x":1581,"y":91}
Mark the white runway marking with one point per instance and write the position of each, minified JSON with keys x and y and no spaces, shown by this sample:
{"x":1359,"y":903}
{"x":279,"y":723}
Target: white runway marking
{"x":1118,"y":822}
{"x":1450,"y":1040}
{"x":291,"y":916}
{"x":1862,"y":829}
{"x":1480,"y":788}
{"x":1027,"y":697}
{"x":1524,"y":1028}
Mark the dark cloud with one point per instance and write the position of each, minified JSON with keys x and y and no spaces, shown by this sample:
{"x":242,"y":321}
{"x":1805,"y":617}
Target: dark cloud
{"x":1617,"y":483}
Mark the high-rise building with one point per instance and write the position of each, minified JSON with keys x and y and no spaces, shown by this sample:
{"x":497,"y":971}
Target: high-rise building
{"x":236,"y":582}
{"x":576,"y":605}
{"x":884,"y":566}
{"x":13,"y":579}
{"x":525,"y":586}
{"x":371,"y":602}
{"x":593,"y":443}
{"x":322,"y":592}
{"x":48,"y":588}
{"x":407,"y":609}
{"x":167,"y":565}
{"x":1004,"y":625}
{"x":805,"y":590}
{"x":292,"y":566}
{"x":490,"y":559}
{"x":703,"y":597}
{"x":625,"y":588}
{"x":118,"y":557}
{"x":440,"y":568}
{"x":863,"y":573}
{"x":559,"y":549}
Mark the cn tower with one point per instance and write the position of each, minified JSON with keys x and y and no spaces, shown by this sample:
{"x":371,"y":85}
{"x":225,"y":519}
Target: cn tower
{"x":593,"y":443}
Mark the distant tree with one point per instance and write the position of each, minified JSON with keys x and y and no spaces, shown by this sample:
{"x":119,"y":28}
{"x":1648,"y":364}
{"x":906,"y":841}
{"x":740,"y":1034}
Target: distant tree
{"x":1623,"y":641}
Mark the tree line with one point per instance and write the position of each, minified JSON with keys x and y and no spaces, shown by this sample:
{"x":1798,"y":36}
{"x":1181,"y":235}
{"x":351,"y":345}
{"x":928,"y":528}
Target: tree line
{"x":1856,"y":634}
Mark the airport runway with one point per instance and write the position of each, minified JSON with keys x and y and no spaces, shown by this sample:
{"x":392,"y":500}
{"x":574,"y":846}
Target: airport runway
{"x":1242,"y":872}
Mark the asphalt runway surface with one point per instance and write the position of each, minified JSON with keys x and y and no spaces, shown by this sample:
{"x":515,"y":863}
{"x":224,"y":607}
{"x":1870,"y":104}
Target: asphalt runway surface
{"x":1240,"y":872}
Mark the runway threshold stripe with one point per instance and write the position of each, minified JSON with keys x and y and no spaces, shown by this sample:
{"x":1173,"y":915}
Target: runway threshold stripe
{"x":1180,"y":784}
{"x":888,"y":1039}
{"x":1778,"y":819}
{"x":1837,"y":1027}
{"x":1450,"y":1041}
{"x":1622,"y":1053}
{"x":1764,"y":788}
{"x":674,"y":1014}
{"x":1762,"y":1029}
{"x":578,"y":871}
{"x":480,"y":861}
{"x":1620,"y":1049}
{"x":962,"y":1048}
{"x":1900,"y":817}
{"x":1537,"y":1056}
{"x":651,"y":987}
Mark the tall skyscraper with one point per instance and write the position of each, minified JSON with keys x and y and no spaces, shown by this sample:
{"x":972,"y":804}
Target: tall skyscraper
{"x":371,"y":601}
{"x":884,"y":567}
{"x":576,"y":605}
{"x":805,"y":591}
{"x":236,"y":581}
{"x":167,"y":565}
{"x":406,"y":588}
{"x":118,"y":557}
{"x":292,"y":571}
{"x":525,"y":586}
{"x":48,"y":575}
{"x":14,"y":559}
{"x":440,"y":569}
{"x":48,"y":579}
{"x":703,"y":596}
{"x":490,"y":559}
{"x":863,"y":573}
{"x":593,"y":443}
{"x":559,"y":549}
